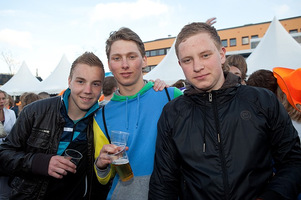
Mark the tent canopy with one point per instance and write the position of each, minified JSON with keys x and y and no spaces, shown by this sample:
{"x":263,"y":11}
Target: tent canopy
{"x":276,"y":49}
{"x":57,"y":80}
{"x":22,"y":81}
{"x":168,"y":69}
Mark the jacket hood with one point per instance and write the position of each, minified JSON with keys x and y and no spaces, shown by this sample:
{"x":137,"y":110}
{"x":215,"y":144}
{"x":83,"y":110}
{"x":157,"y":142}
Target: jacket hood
{"x":118,"y":97}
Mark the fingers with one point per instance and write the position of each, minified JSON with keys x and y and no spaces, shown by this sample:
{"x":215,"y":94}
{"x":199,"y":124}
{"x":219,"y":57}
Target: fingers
{"x":59,"y":166}
{"x":160,"y":85}
{"x":104,"y":159}
{"x":211,"y":21}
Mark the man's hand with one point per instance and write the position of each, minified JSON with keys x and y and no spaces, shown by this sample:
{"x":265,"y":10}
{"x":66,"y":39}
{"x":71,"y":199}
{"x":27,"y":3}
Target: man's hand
{"x":103,"y":160}
{"x":59,"y":166}
{"x":211,"y":21}
{"x":159,"y":85}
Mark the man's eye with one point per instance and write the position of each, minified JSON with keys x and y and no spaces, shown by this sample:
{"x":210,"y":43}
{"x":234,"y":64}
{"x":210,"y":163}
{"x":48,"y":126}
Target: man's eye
{"x":206,"y":55}
{"x":187,"y":60}
{"x":97,"y":84}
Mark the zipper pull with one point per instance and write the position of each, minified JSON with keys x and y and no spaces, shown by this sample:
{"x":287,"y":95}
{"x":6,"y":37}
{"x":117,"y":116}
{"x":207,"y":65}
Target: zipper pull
{"x":210,"y":97}
{"x":218,"y":138}
{"x":204,"y":147}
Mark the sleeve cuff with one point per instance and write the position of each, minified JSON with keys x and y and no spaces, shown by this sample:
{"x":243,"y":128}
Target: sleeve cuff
{"x":102,"y":173}
{"x":40,"y":164}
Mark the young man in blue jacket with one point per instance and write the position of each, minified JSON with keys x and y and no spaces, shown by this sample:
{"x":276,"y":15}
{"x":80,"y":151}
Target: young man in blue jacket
{"x":220,"y":139}
{"x":135,"y":108}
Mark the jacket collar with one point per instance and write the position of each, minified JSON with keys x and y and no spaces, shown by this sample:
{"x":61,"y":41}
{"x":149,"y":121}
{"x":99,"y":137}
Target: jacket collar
{"x":231,"y":80}
{"x":65,"y":98}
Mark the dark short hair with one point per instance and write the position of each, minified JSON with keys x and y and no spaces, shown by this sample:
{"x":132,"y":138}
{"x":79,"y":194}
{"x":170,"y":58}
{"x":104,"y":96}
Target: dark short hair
{"x":124,"y":34}
{"x":108,"y":85}
{"x":263,"y":78}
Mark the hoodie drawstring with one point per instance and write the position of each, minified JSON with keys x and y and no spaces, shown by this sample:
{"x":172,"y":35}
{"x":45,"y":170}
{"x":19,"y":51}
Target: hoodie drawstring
{"x":126,"y":113}
{"x":137,"y":110}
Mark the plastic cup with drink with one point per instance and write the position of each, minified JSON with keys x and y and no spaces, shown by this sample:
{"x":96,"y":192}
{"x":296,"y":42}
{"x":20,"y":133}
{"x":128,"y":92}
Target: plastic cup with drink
{"x":75,"y":155}
{"x":120,"y":159}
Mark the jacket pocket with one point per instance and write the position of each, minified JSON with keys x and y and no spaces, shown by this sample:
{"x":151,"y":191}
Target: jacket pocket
{"x":23,"y":186}
{"x":39,"y":138}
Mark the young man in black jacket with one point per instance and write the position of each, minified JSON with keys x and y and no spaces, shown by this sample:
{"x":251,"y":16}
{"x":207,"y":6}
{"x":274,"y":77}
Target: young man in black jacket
{"x":33,"y":152}
{"x":221,"y":139}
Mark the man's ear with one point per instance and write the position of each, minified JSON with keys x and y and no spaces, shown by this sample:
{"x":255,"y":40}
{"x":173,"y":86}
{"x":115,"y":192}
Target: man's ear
{"x":69,"y":81}
{"x":223,"y":55}
{"x":144,"y":62}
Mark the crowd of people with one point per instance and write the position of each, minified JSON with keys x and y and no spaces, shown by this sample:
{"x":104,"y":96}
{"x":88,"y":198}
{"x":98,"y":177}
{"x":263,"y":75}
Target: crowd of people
{"x":218,"y":134}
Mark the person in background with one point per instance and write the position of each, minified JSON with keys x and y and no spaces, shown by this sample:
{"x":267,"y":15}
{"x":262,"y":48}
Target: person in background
{"x":238,"y":66}
{"x":108,"y":89}
{"x":7,"y":116}
{"x":220,"y":139}
{"x":28,"y":98}
{"x":10,"y":102}
{"x":263,"y":78}
{"x":181,"y":84}
{"x":7,"y":120}
{"x":44,"y":95}
{"x":289,"y":93}
{"x":33,"y":153}
{"x":15,"y":107}
{"x":134,"y":108}
{"x":285,"y":84}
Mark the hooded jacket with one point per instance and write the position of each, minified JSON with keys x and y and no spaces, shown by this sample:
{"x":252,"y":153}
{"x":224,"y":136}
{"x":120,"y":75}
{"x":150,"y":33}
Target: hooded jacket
{"x":137,"y":115}
{"x":222,"y":145}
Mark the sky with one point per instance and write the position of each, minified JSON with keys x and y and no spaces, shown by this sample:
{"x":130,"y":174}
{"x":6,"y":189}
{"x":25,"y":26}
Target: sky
{"x":39,"y":32}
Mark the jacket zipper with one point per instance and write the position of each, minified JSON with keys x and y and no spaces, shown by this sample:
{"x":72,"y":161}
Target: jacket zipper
{"x":221,"y":152}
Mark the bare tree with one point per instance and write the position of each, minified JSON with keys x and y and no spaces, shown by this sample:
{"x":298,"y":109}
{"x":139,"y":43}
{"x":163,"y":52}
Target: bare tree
{"x":10,"y":61}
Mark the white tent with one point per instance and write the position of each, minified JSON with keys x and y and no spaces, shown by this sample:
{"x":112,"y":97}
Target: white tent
{"x":168,"y":69}
{"x":22,"y":81}
{"x":58,"y":79}
{"x":276,"y":49}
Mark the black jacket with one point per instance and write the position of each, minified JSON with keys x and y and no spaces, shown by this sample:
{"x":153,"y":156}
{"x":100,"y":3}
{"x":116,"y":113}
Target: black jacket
{"x":34,"y":139}
{"x":222,"y":145}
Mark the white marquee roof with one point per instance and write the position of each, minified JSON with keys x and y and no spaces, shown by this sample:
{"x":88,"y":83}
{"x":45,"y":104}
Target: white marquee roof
{"x":58,"y":79}
{"x":276,"y":49}
{"x":22,"y":81}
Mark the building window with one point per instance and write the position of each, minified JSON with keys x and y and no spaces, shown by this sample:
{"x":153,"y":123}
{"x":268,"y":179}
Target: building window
{"x":225,"y":43}
{"x":293,"y":31}
{"x":161,"y":52}
{"x":232,"y":42}
{"x":254,"y":44}
{"x":245,"y":40}
{"x":148,"y":68}
{"x":157,"y":52}
{"x":254,"y":36}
